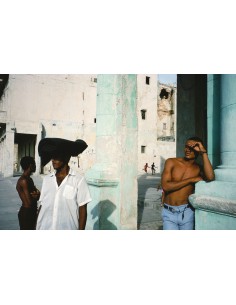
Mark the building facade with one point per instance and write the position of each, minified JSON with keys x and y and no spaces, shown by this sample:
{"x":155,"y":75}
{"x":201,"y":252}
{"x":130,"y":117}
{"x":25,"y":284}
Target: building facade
{"x":147,"y":90}
{"x":156,"y":111}
{"x":38,"y":106}
{"x":166,"y":123}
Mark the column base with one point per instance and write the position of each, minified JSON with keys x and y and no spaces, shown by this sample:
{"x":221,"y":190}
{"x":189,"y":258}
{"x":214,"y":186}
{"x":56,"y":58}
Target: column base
{"x":215,"y":205}
{"x":103,"y":213}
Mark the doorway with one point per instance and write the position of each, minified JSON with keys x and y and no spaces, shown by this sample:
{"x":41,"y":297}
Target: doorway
{"x":24,"y":146}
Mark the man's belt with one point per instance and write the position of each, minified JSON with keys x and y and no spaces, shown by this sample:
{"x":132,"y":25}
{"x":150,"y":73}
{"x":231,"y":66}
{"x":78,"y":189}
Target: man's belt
{"x":173,"y":210}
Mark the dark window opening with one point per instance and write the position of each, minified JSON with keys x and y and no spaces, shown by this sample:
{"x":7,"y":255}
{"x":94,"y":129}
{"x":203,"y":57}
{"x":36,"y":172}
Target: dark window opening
{"x":95,"y":120}
{"x":143,"y":114}
{"x":164,"y":94}
{"x":147,"y":80}
{"x":95,"y":80}
{"x":143,"y":149}
{"x":3,"y":83}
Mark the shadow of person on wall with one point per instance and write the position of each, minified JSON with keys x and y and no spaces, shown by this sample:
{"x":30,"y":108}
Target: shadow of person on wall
{"x":103,"y":210}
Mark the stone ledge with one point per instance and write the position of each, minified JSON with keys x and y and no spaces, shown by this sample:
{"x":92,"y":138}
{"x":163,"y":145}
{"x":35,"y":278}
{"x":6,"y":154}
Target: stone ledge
{"x":214,"y":204}
{"x":102,"y":182}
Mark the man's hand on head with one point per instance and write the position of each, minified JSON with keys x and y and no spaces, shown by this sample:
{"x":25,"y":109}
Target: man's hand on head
{"x":197,"y":146}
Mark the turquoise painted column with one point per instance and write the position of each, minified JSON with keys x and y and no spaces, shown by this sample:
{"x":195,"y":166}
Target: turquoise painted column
{"x":227,"y":170}
{"x":113,"y":179}
{"x":215,"y":202}
{"x":213,"y":118}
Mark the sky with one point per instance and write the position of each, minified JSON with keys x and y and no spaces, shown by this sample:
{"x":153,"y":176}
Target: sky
{"x":167,"y":78}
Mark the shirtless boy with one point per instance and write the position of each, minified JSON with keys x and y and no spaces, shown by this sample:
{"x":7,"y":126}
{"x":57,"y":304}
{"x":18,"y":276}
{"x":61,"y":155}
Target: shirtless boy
{"x":178,"y":182}
{"x":29,"y":195}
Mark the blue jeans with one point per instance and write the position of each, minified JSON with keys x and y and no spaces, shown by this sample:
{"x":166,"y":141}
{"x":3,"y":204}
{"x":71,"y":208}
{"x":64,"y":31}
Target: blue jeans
{"x":180,"y":218}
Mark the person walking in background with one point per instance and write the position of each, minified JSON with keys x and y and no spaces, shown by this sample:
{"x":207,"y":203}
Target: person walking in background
{"x":146,"y":167}
{"x":65,"y":193}
{"x":178,"y":182}
{"x":28,"y":194}
{"x":153,"y":168}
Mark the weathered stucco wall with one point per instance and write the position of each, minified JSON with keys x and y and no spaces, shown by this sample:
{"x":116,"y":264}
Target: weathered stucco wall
{"x":147,"y":128}
{"x":51,"y":106}
{"x":113,"y":179}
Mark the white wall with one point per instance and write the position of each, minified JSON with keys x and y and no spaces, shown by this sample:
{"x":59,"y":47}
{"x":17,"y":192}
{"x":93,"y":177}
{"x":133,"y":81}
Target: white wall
{"x":60,"y":105}
{"x":147,"y":129}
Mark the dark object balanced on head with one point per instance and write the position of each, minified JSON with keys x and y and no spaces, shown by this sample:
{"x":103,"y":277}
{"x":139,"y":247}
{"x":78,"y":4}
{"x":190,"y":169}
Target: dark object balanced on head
{"x":49,"y":147}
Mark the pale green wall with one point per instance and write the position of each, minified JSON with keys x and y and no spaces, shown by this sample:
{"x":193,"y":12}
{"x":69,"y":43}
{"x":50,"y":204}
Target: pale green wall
{"x":213,"y":118}
{"x":215,"y":202}
{"x":113,"y":178}
{"x":214,"y":221}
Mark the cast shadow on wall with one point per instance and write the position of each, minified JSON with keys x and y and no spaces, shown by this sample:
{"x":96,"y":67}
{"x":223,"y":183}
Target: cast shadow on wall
{"x":103,"y":210}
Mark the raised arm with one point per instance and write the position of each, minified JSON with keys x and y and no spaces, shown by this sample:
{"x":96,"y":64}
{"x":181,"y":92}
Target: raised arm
{"x":167,"y":182}
{"x":208,"y":171}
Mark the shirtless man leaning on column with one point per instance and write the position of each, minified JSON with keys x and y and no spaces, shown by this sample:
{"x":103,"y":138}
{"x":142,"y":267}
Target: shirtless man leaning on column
{"x":178,"y":182}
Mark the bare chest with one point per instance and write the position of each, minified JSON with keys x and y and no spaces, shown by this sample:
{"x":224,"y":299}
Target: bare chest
{"x":182,"y":171}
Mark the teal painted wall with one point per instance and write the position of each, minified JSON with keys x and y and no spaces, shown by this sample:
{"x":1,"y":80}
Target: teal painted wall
{"x":113,"y":179}
{"x":215,"y":201}
{"x":213,"y":118}
{"x":206,"y":220}
{"x":228,"y":120}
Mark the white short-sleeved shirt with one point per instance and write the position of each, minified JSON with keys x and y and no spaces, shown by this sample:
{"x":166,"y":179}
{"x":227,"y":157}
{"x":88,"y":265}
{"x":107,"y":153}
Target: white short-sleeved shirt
{"x":60,"y":204}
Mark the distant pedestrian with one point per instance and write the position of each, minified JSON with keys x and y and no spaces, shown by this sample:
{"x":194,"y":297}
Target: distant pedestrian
{"x":29,"y":195}
{"x":146,"y":167}
{"x":153,"y":168}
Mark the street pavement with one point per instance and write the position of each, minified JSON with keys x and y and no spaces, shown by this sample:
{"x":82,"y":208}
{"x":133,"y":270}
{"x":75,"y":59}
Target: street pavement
{"x":149,"y":202}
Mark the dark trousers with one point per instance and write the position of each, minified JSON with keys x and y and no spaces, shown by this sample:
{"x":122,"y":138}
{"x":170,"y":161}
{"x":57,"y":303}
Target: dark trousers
{"x":27,"y":218}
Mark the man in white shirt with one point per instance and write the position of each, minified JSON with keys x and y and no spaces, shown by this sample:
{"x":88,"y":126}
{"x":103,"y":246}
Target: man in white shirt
{"x":65,"y":193}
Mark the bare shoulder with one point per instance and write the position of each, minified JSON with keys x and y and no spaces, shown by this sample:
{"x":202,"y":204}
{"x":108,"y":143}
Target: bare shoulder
{"x":169,"y":164}
{"x":173,"y":161}
{"x":22,"y":182}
